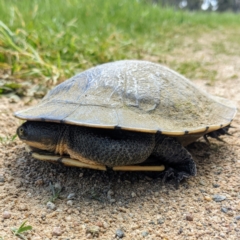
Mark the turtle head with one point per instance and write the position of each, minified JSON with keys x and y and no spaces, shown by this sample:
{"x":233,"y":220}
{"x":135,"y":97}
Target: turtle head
{"x":40,"y":135}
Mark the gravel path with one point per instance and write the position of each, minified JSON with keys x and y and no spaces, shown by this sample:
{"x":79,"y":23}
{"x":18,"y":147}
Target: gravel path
{"x":115,"y":205}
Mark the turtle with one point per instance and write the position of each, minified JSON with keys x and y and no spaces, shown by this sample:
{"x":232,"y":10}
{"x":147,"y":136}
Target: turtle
{"x":120,"y":114}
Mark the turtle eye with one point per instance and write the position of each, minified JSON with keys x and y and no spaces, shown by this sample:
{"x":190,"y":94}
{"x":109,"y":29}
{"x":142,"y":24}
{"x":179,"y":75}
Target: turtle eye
{"x":21,"y":132}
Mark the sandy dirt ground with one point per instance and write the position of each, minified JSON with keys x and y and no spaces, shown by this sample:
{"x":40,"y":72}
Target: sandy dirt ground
{"x":114,"y":205}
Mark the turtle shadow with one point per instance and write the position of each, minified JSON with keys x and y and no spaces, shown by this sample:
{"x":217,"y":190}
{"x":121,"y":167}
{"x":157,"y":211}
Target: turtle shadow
{"x":203,"y":151}
{"x":200,"y":150}
{"x":209,"y":158}
{"x":36,"y":176}
{"x":94,"y":185}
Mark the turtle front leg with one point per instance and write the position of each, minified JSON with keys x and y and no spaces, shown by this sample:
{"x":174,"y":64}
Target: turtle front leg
{"x":178,"y":161}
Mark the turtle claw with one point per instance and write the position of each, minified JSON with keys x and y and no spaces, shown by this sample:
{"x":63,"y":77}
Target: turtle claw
{"x":175,"y":175}
{"x":167,"y":174}
{"x":220,"y":140}
{"x":206,"y":139}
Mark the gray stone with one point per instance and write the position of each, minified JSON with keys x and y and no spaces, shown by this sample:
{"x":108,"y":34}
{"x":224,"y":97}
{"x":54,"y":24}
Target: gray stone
{"x":71,"y":196}
{"x":160,"y":221}
{"x":51,"y":206}
{"x":70,"y":202}
{"x":120,"y":233}
{"x":110,"y":192}
{"x":133,"y":194}
{"x":2,"y":178}
{"x":224,"y":209}
{"x":218,"y":198}
{"x":145,"y":233}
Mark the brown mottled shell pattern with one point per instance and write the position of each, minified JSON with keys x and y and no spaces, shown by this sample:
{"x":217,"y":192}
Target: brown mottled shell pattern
{"x":133,"y":95}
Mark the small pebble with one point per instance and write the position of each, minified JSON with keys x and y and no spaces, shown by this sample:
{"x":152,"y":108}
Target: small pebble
{"x":37,"y":238}
{"x":2,"y":178}
{"x":222,"y":235}
{"x":218,"y":198}
{"x":81,"y":175}
{"x":99,"y":224}
{"x":51,"y":206}
{"x":71,"y":196}
{"x":160,"y":221}
{"x":133,"y":194}
{"x":207,"y":198}
{"x":93,"y":230}
{"x":6,"y":215}
{"x":70,"y":211}
{"x":230,"y":213}
{"x":57,"y":186}
{"x":68,"y":218}
{"x":156,"y":194}
{"x":189,"y":217}
{"x":180,"y":231}
{"x":70,"y":202}
{"x":18,"y":184}
{"x":223,"y":209}
{"x":122,"y":209}
{"x":89,"y":236}
{"x":119,"y":233}
{"x":39,"y":182}
{"x":201,"y":182}
{"x":105,"y":225}
{"x":215,"y":185}
{"x":237,"y":217}
{"x":22,"y":207}
{"x":144,"y":234}
{"x":14,"y":98}
{"x":110,"y":193}
{"x":57,"y":231}
{"x":9,"y":179}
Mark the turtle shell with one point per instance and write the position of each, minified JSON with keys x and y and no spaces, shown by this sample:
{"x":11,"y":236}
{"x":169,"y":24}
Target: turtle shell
{"x":133,"y":95}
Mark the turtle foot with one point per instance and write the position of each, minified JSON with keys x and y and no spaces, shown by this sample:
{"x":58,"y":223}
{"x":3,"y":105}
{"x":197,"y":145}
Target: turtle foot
{"x":175,"y":174}
{"x":180,"y":172}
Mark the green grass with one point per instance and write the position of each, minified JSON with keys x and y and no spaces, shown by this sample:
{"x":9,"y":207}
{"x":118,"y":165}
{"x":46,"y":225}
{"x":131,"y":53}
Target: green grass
{"x":55,"y":193}
{"x":196,"y":69}
{"x":7,"y":139}
{"x":222,"y":47}
{"x":49,"y":40}
{"x":18,"y":232}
